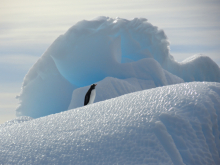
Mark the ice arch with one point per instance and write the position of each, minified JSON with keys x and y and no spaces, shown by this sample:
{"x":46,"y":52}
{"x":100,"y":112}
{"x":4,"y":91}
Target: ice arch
{"x":91,"y":50}
{"x":104,"y":47}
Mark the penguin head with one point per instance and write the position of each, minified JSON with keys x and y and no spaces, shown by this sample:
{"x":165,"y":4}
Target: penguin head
{"x":93,"y":86}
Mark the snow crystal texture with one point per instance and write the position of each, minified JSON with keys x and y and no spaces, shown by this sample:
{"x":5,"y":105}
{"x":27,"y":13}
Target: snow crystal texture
{"x":176,"y":124}
{"x":16,"y":121}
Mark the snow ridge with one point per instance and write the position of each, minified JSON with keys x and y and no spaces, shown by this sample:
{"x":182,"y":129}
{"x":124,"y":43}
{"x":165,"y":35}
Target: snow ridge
{"x":176,"y":124}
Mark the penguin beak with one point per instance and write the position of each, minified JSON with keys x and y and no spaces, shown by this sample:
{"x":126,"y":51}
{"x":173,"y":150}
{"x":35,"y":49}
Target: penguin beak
{"x":95,"y":84}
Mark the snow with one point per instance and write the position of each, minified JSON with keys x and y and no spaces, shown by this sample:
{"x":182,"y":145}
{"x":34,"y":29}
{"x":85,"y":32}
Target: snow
{"x":138,"y":117}
{"x":91,"y":51}
{"x":16,"y":121}
{"x":174,"y":124}
{"x":144,"y":112}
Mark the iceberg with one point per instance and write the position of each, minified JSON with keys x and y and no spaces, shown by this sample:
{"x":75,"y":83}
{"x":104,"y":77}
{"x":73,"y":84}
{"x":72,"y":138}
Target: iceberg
{"x":132,"y":52}
{"x":174,"y":125}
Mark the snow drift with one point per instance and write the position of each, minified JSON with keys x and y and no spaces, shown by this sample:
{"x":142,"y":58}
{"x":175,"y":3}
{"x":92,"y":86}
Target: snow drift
{"x":176,"y":124}
{"x":104,"y":47}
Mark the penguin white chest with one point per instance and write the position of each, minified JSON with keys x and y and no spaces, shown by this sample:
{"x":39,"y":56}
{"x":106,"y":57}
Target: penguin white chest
{"x":92,"y":96}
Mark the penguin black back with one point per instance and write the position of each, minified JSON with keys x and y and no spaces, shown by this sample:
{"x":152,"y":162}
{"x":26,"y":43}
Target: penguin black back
{"x":88,"y":96}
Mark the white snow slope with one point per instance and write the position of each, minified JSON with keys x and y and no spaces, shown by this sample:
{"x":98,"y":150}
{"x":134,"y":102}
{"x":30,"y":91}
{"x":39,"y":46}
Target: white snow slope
{"x":104,"y":47}
{"x":176,"y":124}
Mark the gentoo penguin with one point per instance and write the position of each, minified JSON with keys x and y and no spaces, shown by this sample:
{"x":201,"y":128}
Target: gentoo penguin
{"x":90,"y":95}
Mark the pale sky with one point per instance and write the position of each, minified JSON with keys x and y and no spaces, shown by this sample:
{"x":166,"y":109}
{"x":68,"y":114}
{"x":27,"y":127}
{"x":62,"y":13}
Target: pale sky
{"x":28,"y":27}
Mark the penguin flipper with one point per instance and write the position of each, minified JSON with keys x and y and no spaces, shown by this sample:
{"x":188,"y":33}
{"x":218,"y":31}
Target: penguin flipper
{"x":86,"y":101}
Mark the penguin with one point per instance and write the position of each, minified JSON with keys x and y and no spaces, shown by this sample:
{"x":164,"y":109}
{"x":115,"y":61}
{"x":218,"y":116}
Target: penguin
{"x":90,"y":95}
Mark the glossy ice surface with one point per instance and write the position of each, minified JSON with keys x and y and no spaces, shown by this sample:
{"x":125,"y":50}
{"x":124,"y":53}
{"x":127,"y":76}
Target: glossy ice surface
{"x":176,"y":124}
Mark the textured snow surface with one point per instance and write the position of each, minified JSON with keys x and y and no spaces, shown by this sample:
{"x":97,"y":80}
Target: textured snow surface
{"x":104,"y":47}
{"x":16,"y":121}
{"x":176,"y":124}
